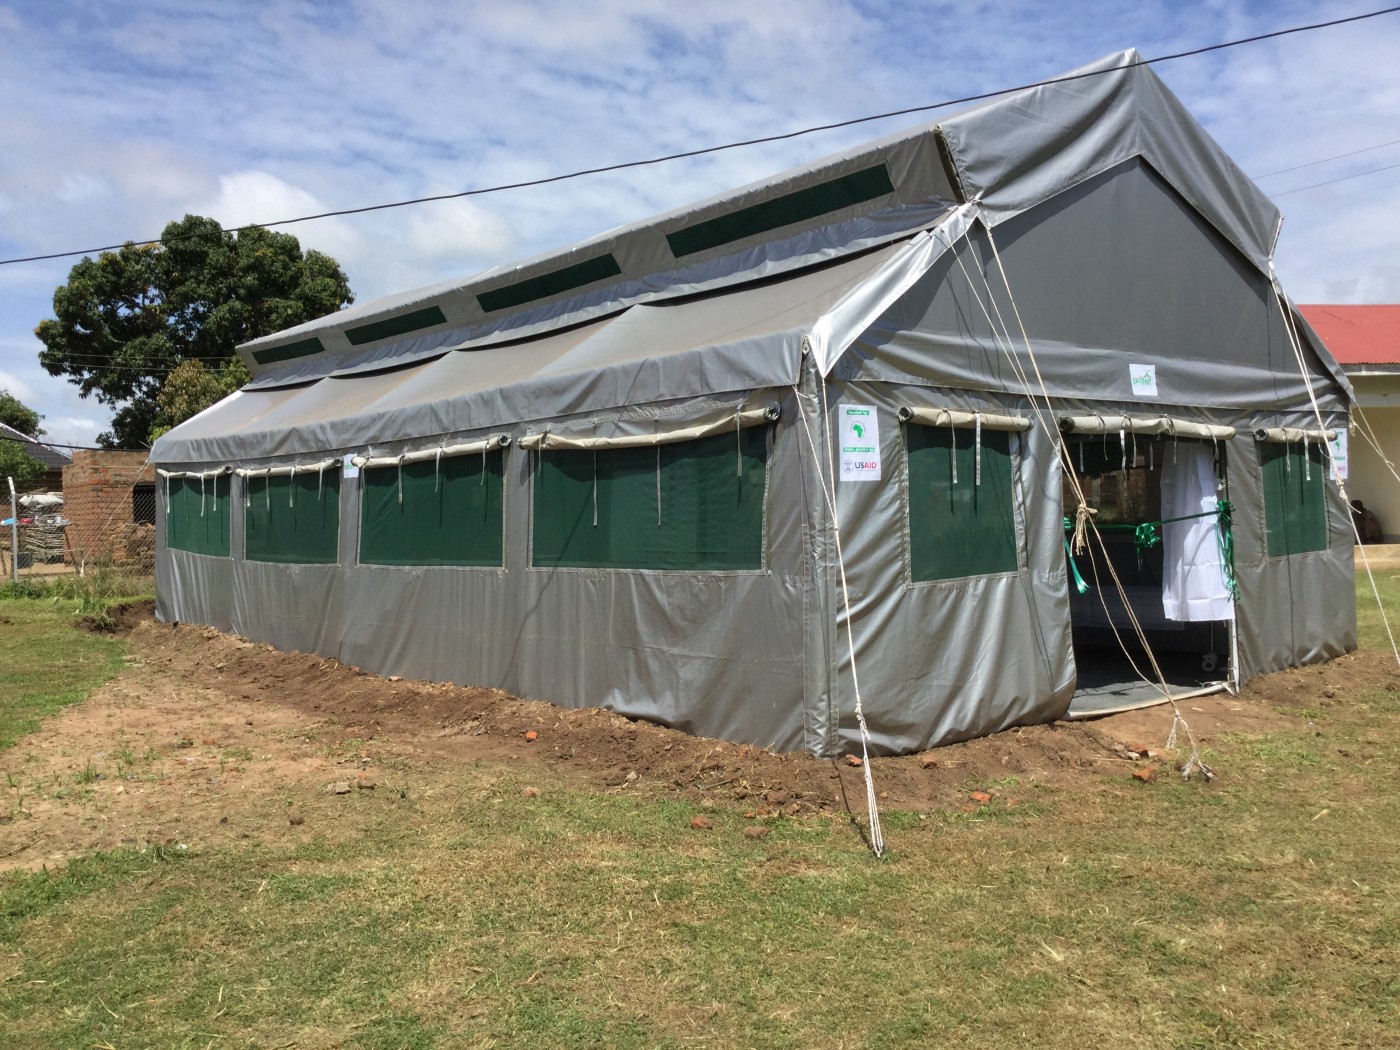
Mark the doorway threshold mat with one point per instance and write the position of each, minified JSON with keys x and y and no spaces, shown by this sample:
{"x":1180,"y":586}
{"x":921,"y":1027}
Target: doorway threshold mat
{"x":1114,"y":698}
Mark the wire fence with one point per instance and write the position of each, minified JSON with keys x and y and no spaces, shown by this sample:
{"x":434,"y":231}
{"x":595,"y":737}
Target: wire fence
{"x":103,"y":519}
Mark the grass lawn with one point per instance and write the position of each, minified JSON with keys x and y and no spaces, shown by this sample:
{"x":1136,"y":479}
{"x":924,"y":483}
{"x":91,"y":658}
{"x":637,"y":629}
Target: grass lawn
{"x":45,"y":664}
{"x":1262,"y":910}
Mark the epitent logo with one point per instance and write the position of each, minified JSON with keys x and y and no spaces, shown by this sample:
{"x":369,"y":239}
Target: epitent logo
{"x":1143,"y":380}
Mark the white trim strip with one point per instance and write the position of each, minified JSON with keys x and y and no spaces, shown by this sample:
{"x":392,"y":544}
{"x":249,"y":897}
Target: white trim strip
{"x":465,"y":448}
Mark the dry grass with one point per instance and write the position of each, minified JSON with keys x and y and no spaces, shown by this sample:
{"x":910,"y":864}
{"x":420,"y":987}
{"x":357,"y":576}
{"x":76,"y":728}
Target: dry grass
{"x":1262,"y":910}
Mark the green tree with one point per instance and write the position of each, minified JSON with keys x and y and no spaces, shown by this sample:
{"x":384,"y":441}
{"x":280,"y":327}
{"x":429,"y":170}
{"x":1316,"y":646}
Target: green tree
{"x":17,"y":463}
{"x":15,"y":460}
{"x":191,"y":388}
{"x":126,"y":320}
{"x":15,"y":413}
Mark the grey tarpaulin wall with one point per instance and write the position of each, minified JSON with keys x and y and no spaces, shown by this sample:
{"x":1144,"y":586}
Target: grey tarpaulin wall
{"x":1126,"y":237}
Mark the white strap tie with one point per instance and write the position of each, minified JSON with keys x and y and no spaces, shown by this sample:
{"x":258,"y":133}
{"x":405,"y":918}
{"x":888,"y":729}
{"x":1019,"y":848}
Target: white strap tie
{"x":977,"y":450}
{"x":953,"y":448}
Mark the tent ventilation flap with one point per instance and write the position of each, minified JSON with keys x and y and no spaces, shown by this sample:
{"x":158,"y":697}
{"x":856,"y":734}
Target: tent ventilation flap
{"x":953,"y":417}
{"x":201,"y":474}
{"x":463,"y":448}
{"x":1294,"y":434}
{"x":668,"y":432}
{"x":294,"y":468}
{"x":1163,"y":425}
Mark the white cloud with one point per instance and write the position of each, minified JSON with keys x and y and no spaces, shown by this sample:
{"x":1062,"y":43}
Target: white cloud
{"x":16,"y":386}
{"x":124,"y":117}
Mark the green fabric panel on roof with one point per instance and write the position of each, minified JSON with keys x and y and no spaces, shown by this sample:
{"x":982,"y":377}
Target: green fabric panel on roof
{"x":706,"y":514}
{"x":293,"y":518}
{"x":855,"y":188}
{"x":197,"y":518}
{"x":1295,"y":498}
{"x":960,"y":528}
{"x":450,"y":513}
{"x":301,"y":348}
{"x":391,"y":326}
{"x":547,"y":284}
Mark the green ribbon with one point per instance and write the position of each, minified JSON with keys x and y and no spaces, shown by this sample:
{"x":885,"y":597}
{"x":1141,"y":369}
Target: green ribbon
{"x":1146,"y":536}
{"x":1226,"y":534}
{"x":1079,"y":584}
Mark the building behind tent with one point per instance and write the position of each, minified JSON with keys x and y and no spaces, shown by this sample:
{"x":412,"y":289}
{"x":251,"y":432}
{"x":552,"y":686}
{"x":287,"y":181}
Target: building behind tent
{"x":958,"y":426}
{"x":1365,"y":340}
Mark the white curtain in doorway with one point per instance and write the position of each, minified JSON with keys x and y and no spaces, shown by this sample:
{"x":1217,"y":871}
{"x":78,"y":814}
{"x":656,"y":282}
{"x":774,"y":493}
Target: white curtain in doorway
{"x":1193,"y":576}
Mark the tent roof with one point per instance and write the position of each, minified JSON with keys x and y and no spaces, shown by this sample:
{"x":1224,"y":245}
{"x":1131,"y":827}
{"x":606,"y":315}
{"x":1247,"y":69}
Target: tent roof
{"x":1006,"y":155}
{"x":1358,"y":335}
{"x":705,"y":347}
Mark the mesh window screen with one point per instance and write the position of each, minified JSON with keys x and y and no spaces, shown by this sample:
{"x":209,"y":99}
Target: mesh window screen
{"x":693,"y":505}
{"x":1295,"y":498}
{"x":959,"y":527}
{"x":198,"y":516}
{"x":293,"y":518}
{"x":449,"y":514}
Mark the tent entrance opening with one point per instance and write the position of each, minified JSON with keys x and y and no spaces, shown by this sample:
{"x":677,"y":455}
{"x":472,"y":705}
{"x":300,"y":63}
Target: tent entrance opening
{"x":1163,"y":561}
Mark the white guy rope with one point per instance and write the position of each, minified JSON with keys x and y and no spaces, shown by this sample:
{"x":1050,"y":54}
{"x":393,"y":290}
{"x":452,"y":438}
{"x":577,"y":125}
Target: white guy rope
{"x":1297,"y":345}
{"x":1194,"y":761}
{"x":877,"y":838}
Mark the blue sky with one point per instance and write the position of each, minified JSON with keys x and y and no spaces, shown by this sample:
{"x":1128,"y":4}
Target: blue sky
{"x":119,"y":118}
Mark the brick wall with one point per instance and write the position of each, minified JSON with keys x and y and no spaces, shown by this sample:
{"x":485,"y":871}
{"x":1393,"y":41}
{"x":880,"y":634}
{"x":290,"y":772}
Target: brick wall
{"x":98,"y":490}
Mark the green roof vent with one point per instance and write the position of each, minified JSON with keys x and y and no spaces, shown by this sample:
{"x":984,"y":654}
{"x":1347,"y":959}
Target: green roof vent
{"x":288,"y":351}
{"x":797,"y":206}
{"x":392,"y":326}
{"x":547,"y":284}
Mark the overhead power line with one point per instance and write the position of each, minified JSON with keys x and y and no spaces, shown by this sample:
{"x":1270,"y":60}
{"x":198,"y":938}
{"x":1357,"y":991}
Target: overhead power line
{"x":703,"y":151}
{"x":1344,"y":178}
{"x":1324,"y":160}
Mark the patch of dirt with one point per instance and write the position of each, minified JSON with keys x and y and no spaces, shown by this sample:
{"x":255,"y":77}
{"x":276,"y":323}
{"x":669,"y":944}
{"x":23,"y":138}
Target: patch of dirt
{"x":207,"y":738}
{"x":120,"y":619}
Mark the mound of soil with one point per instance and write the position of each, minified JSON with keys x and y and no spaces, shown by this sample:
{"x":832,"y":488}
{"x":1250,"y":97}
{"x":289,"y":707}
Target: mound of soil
{"x":208,"y":736}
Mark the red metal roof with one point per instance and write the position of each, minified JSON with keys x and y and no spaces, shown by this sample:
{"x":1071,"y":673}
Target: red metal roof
{"x":1358,"y":335}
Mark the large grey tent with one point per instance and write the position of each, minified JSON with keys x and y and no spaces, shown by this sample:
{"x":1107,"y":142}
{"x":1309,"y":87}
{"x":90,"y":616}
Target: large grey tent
{"x":962,"y":417}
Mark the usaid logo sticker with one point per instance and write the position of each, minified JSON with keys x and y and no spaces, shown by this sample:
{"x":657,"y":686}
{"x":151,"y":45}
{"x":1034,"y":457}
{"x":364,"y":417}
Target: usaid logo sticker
{"x":859,"y":442}
{"x":1143,"y":380}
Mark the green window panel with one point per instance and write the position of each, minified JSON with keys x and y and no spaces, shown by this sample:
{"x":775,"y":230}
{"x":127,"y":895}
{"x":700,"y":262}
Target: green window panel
{"x":450,"y":514}
{"x":960,"y":528}
{"x":694,"y":505}
{"x":293,"y":518}
{"x":197,"y":518}
{"x":1295,"y":498}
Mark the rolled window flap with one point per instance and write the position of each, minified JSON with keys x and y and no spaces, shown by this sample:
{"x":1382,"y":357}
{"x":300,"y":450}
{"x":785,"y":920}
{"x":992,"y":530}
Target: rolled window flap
{"x":201,"y":474}
{"x":1294,"y":434}
{"x":648,"y":432}
{"x":288,"y":468}
{"x":1169,"y":426}
{"x":956,"y":417}
{"x":461,"y":448}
